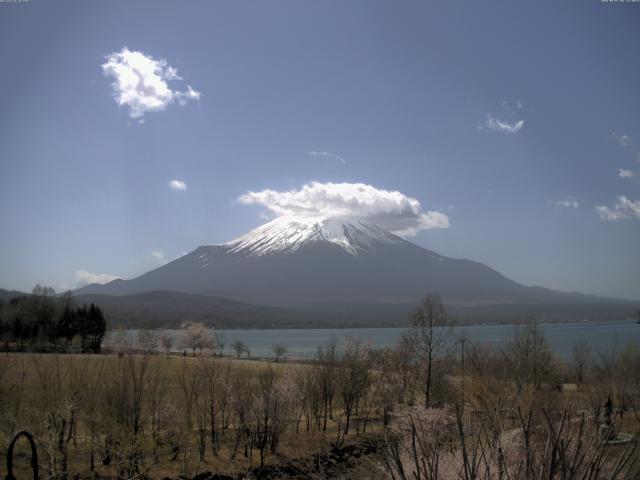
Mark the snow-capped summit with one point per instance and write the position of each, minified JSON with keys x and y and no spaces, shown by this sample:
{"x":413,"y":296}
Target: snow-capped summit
{"x":345,"y":268}
{"x":288,"y":234}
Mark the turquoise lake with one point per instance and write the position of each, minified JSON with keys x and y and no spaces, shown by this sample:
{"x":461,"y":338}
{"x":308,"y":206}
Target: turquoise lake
{"x":303,"y":343}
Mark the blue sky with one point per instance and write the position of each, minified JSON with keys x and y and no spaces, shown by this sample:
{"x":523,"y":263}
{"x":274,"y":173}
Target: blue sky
{"x":513,"y":119}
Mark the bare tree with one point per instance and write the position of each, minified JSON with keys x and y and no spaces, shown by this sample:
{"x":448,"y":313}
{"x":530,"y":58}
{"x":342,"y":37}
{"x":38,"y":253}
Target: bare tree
{"x":428,"y":333}
{"x":221,"y":342}
{"x":147,"y":341}
{"x":353,"y":379}
{"x":279,"y":350}
{"x":580,"y":357}
{"x":630,"y":389}
{"x":415,"y":443}
{"x":125,"y":396}
{"x":57,"y":412}
{"x":91,"y":396}
{"x":157,"y":405}
{"x":13,"y":377}
{"x":214,"y":384}
{"x":530,"y":357}
{"x":328,"y":360}
{"x":307,"y":396}
{"x":271,"y":410}
{"x":239,"y":347}
{"x":243,"y":399}
{"x":433,"y":444}
{"x":166,"y":343}
{"x":379,"y":379}
{"x":402,"y":362}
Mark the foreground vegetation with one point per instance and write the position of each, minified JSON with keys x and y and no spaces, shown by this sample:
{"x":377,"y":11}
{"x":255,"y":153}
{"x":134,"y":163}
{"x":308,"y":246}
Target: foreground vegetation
{"x":428,"y":408}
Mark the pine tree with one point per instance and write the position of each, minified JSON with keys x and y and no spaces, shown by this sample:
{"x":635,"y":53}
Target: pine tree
{"x":97,"y":327}
{"x":82,"y":325}
{"x":66,"y":326}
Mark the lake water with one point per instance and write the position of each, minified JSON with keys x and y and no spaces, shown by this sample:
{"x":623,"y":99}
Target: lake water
{"x":303,"y":343}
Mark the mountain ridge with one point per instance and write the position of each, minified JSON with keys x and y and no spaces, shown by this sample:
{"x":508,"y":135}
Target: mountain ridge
{"x":351,"y":269}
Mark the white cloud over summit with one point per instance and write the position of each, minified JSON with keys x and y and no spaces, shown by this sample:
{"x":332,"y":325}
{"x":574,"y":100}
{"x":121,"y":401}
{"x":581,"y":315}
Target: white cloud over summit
{"x":390,"y":210}
{"x":84,"y":278}
{"x":140,"y":82}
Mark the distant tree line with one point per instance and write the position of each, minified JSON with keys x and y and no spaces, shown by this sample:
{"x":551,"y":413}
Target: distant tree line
{"x":46,"y":321}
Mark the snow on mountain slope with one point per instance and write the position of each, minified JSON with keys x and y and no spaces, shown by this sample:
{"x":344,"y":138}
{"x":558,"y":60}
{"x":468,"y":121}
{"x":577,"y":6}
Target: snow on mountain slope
{"x":289,"y":234}
{"x":344,"y":267}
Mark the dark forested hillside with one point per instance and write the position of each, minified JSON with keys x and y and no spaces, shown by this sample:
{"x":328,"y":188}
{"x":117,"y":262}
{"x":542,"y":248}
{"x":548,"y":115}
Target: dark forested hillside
{"x":169,"y":309}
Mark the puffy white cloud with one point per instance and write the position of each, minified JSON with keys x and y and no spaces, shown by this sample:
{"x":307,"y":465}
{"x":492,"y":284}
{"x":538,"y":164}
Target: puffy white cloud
{"x":624,"y":209}
{"x":177,"y":185}
{"x":390,"y":210}
{"x":140,"y":82}
{"x":86,"y":278}
{"x":159,"y":256}
{"x":623,"y":139}
{"x":494,"y":124}
{"x":567,"y":203}
{"x":315,"y":153}
{"x":624,"y":173}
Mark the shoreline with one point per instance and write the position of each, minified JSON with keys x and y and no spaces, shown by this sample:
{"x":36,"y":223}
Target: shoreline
{"x":393,"y":327}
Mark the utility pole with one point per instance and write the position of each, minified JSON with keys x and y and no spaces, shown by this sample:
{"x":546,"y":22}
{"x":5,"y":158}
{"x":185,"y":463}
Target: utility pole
{"x":462,"y":340}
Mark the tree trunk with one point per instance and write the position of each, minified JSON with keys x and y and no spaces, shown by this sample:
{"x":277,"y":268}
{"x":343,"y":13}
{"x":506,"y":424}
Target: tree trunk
{"x":428,"y":386}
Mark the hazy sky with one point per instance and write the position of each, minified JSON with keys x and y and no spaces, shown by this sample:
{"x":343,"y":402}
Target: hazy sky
{"x":132,"y":132}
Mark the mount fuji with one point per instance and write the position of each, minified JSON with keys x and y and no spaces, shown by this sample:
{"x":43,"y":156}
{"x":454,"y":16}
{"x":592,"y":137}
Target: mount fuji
{"x":348,"y":268}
